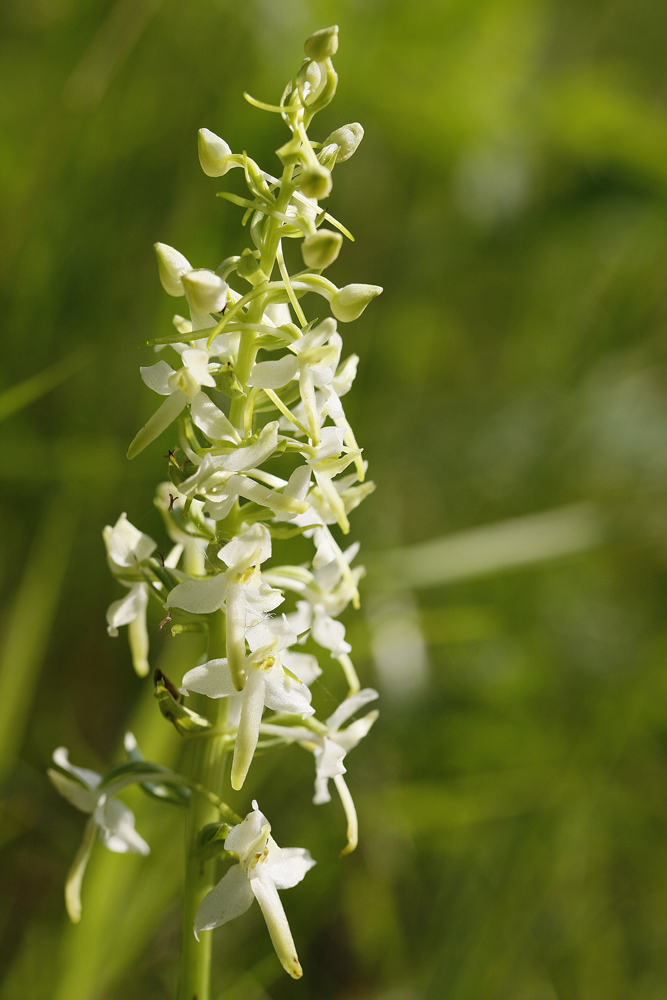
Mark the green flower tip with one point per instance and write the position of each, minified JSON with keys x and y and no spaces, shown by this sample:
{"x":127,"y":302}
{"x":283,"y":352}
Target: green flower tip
{"x":214,"y":153}
{"x":172,"y":265}
{"x":315,"y":181}
{"x":350,"y":301}
{"x":321,"y":248}
{"x":347,"y":139}
{"x":323,"y":44}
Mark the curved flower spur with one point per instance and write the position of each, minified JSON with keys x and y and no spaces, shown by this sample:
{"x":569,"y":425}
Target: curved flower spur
{"x":252,"y":391}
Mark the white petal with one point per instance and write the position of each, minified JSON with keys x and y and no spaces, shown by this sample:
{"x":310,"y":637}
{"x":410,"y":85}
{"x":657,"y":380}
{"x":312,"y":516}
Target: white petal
{"x":211,"y":420}
{"x":89,"y":778}
{"x":219,"y":511}
{"x":350,"y":737}
{"x":235,"y":612}
{"x":262,"y":600}
{"x":231,"y":897}
{"x":274,"y":374}
{"x":329,"y":633}
{"x":290,"y":867}
{"x":157,"y":377}
{"x":196,"y":361}
{"x":201,"y":597}
{"x":326,"y":547}
{"x":329,"y":760}
{"x":345,"y":375}
{"x":245,"y":487}
{"x":350,"y":814}
{"x":201,"y":320}
{"x":212,"y":679}
{"x":137,"y":633}
{"x":249,"y":723}
{"x":331,"y":443}
{"x":276,"y":921}
{"x":318,"y":336}
{"x":116,"y":823}
{"x":348,"y":707}
{"x":277,"y":314}
{"x":254,"y":454}
{"x":303,"y":665}
{"x":276,"y":632}
{"x":172,"y":559}
{"x":299,"y":482}
{"x":76,"y":872}
{"x":322,"y":793}
{"x":322,"y":375}
{"x":243,"y":837}
{"x":126,"y":545}
{"x":301,"y":619}
{"x":77,"y":795}
{"x":255,"y":543}
{"x":125,"y":610}
{"x":285,"y":695}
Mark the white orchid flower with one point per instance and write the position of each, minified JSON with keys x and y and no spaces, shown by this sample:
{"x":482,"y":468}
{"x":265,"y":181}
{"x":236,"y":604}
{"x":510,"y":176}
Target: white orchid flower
{"x":313,"y":359}
{"x":110,"y":820}
{"x":263,"y":868}
{"x":330,"y":743}
{"x":329,"y":756}
{"x":241,"y":589}
{"x":180,"y":387}
{"x":207,"y":293}
{"x":325,"y":592}
{"x":131,"y":611}
{"x":267,"y":684}
{"x":221,"y":478}
{"x":127,"y":547}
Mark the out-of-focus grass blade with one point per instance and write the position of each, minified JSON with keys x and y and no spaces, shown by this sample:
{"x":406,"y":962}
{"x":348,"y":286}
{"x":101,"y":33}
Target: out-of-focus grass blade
{"x":19,"y":396}
{"x":119,"y":919}
{"x":29,"y":623}
{"x":493,"y":548}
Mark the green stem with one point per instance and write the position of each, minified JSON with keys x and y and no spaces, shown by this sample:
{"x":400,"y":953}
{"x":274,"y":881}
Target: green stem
{"x":206,"y":764}
{"x":248,"y":348}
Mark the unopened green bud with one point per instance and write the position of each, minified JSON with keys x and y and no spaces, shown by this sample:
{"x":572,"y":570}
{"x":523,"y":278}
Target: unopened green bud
{"x":172,"y":265}
{"x":315,"y":181}
{"x":323,"y":44}
{"x":347,"y":139}
{"x":321,"y":248}
{"x":214,"y":153}
{"x":248,"y":267}
{"x":206,"y":291}
{"x":350,"y":301}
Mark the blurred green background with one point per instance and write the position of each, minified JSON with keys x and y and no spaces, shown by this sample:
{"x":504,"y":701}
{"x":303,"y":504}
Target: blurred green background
{"x":511,"y":197}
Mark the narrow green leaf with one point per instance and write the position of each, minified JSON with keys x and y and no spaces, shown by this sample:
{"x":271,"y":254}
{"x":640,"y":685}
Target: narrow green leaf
{"x":19,"y":396}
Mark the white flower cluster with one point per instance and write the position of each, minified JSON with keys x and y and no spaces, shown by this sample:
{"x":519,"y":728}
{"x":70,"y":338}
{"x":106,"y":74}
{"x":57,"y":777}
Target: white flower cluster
{"x":265,"y":452}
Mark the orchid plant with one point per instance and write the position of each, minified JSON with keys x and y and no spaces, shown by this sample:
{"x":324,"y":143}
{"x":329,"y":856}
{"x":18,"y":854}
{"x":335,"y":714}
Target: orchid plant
{"x":251,"y":382}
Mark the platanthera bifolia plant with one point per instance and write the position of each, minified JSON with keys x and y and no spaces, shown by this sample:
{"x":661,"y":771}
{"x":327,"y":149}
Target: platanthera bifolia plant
{"x":265,"y":454}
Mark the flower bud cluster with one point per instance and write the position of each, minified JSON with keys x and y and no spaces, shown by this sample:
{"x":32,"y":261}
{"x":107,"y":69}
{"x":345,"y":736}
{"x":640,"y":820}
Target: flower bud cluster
{"x":252,"y":392}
